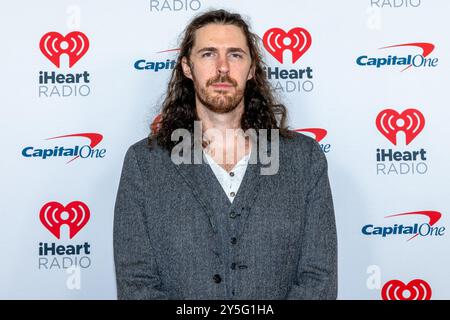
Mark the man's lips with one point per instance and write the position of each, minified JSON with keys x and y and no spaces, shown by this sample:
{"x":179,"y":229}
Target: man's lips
{"x":222,"y":85}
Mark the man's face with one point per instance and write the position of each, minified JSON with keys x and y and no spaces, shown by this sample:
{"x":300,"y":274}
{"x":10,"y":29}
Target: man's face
{"x":219,"y":66}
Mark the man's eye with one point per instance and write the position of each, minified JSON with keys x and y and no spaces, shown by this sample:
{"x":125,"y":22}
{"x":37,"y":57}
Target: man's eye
{"x":207,"y":54}
{"x":237,"y":55}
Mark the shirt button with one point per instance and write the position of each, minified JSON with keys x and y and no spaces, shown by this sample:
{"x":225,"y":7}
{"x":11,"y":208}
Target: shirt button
{"x":232,"y":194}
{"x":231,"y":174}
{"x":217,"y":278}
{"x":233,"y":240}
{"x":233,"y":266}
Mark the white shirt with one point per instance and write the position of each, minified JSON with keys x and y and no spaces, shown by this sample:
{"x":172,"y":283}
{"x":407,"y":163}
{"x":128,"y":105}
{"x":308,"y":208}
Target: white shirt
{"x":230,"y":181}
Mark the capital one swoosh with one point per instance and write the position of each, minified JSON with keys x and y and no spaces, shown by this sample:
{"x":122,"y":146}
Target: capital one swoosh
{"x":318,"y":133}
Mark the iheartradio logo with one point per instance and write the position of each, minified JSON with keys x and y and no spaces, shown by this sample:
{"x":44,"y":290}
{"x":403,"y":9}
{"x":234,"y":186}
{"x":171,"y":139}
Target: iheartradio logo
{"x":53,"y":44}
{"x":75,"y":215}
{"x":296,"y":40}
{"x":389,"y":122}
{"x":416,"y":289}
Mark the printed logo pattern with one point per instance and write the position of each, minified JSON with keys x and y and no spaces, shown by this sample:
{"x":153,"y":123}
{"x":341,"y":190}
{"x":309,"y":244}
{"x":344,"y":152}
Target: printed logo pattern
{"x":416,"y":289}
{"x":297,"y":40}
{"x":410,"y":121}
{"x":427,"y":48}
{"x":78,"y":215}
{"x":318,"y":133}
{"x":53,"y":44}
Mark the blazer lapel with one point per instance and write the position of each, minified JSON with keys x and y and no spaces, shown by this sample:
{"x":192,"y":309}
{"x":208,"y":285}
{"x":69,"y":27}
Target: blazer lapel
{"x":246,"y":196}
{"x":249,"y":190}
{"x":205,"y":188}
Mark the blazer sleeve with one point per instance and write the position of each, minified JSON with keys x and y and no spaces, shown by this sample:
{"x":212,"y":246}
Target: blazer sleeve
{"x":136,"y":270}
{"x":317,"y":267}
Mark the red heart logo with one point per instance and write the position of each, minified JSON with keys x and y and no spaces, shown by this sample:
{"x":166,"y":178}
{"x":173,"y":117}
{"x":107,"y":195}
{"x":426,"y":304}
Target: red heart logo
{"x":413,"y":123}
{"x":297,"y":40}
{"x":416,"y":289}
{"x":51,"y":217}
{"x":53,"y":44}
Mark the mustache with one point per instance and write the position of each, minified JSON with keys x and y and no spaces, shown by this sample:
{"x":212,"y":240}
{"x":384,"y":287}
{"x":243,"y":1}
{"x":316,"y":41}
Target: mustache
{"x":222,"y":79}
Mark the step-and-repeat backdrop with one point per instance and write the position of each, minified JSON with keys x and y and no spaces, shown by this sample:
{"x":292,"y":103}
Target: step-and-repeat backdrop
{"x":82,"y":80}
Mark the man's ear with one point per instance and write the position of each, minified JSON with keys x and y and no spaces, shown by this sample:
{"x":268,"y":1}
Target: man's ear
{"x":186,"y":67}
{"x":251,"y":73}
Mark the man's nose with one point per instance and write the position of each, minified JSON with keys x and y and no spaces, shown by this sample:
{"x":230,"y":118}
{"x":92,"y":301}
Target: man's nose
{"x":223,"y":66}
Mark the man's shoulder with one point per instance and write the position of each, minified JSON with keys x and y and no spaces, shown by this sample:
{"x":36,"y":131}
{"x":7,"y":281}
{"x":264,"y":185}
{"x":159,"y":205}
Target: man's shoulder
{"x":301,"y":150}
{"x":146,"y":148}
{"x":141,"y":144}
{"x":298,"y":141}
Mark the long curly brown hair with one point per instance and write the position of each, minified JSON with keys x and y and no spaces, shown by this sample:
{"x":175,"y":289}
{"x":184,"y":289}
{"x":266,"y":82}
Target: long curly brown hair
{"x":261,"y":111}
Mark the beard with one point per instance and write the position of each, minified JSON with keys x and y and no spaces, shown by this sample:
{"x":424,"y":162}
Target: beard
{"x":221,"y":101}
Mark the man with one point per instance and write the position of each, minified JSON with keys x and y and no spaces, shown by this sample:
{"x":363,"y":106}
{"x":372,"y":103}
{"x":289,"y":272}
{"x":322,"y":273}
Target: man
{"x":221,"y":228}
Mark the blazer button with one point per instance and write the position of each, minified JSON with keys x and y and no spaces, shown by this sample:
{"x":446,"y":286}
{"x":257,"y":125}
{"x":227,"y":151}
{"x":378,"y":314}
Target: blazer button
{"x":233,"y":240}
{"x":217,"y":278}
{"x":233,"y":266}
{"x":233,"y":214}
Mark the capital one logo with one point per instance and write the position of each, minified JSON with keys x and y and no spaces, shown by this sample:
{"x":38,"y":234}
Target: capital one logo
{"x":389,"y":122}
{"x":296,"y":40}
{"x":426,"y":48}
{"x":84,"y":151}
{"x":53,"y":44}
{"x":317,"y":133}
{"x":416,"y":289}
{"x":156,"y":66}
{"x":412,"y":230}
{"x":75,"y":215}
{"x":426,"y":228}
{"x":421,"y":60}
{"x":156,"y":123}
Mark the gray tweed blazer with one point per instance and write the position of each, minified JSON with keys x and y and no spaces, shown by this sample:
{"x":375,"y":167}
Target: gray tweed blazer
{"x":177,"y":236}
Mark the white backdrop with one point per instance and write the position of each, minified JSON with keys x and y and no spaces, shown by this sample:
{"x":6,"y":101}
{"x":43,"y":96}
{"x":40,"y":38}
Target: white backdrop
{"x":114,"y":101}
